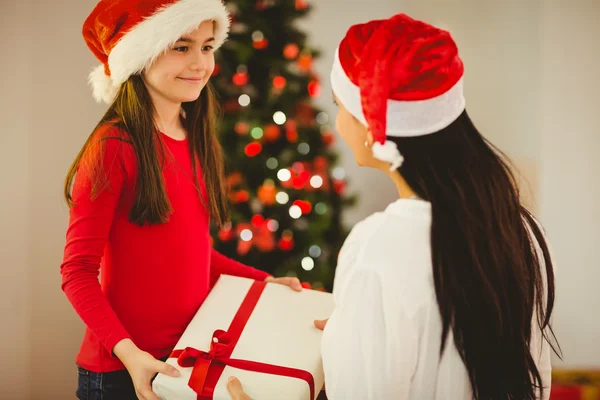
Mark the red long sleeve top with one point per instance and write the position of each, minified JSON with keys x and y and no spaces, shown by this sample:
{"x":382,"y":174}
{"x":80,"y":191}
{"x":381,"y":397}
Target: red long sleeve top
{"x":153,"y":278}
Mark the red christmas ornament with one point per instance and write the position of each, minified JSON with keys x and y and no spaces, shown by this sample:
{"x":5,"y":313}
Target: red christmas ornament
{"x":257,"y":221}
{"x":253,"y":149}
{"x":290,"y":182}
{"x":339,"y":186}
{"x":305,"y":113}
{"x":290,"y":131}
{"x":305,"y":206}
{"x":305,"y":176}
{"x":286,"y":244}
{"x":233,"y":179}
{"x":261,"y":5}
{"x":240,"y":78}
{"x":242,"y":196}
{"x":305,"y":61}
{"x":301,"y":5}
{"x":266,"y":194}
{"x":291,"y":51}
{"x":292,"y":136}
{"x":320,"y":162}
{"x":314,"y":89}
{"x":297,"y":183}
{"x":217,"y":70}
{"x":262,"y":238}
{"x":260,"y":44}
{"x":225,"y":235}
{"x":301,"y":180}
{"x":279,"y":82}
{"x":272,"y":132}
{"x":232,"y":106}
{"x":328,"y":138}
{"x":298,"y":166}
{"x":306,"y":285}
{"x":242,"y":128}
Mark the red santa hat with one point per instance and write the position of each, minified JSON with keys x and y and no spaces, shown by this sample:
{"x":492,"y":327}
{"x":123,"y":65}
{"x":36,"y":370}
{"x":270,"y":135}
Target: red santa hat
{"x":128,"y":35}
{"x":400,"y":77}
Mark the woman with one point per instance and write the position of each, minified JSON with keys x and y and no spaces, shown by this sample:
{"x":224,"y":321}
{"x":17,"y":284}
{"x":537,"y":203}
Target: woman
{"x":448,"y":293}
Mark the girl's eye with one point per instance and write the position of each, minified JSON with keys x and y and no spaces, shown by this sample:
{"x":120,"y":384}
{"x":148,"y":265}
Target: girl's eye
{"x":207,"y":48}
{"x":181,"y":49}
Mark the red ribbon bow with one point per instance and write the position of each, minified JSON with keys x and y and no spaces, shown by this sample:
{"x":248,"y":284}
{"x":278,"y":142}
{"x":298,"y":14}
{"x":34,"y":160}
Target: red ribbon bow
{"x":208,"y":366}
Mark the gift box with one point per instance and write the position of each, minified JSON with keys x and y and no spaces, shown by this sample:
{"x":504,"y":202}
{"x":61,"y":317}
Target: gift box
{"x":262,"y":333}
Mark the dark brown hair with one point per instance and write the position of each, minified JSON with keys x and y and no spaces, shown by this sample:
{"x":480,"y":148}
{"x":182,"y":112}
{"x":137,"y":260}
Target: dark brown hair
{"x":132,"y":111}
{"x":489,"y":280}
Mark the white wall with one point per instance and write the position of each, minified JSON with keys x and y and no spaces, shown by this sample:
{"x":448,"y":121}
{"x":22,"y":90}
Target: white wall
{"x":570,"y":171}
{"x":65,"y":114}
{"x":531,"y":87}
{"x":15,"y":163}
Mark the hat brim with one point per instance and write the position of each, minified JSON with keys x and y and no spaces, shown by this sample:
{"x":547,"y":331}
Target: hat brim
{"x":404,"y":118}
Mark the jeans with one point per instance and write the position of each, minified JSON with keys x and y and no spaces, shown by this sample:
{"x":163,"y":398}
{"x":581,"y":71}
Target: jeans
{"x":116,"y":385}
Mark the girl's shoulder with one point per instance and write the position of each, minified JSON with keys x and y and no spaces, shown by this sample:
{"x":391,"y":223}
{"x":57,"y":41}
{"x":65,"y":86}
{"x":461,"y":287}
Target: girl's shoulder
{"x":112,"y":130}
{"x":109,"y":144}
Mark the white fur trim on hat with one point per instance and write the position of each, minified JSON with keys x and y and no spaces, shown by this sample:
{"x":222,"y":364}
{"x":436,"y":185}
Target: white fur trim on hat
{"x":404,"y":118}
{"x":103,"y":88}
{"x":388,"y":152}
{"x":139,"y":47}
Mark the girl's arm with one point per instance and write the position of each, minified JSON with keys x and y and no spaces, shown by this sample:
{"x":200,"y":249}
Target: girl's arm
{"x":221,"y":264}
{"x":89,"y":227}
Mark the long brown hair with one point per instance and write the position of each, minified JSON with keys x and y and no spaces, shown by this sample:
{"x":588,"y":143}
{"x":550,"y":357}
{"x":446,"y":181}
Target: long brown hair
{"x":489,"y":280}
{"x":132,"y":111}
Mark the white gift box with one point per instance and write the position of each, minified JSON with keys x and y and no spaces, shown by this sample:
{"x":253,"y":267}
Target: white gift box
{"x":279,"y":332}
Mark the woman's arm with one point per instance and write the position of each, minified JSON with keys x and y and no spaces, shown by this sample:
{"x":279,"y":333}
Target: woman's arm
{"x":363,"y":357}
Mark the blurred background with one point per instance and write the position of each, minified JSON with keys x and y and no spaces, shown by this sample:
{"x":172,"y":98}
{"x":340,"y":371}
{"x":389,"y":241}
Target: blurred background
{"x":532,"y":88}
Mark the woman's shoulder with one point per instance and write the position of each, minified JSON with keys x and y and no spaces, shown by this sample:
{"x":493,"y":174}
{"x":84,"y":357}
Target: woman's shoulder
{"x":398,"y":225}
{"x":383,"y":240}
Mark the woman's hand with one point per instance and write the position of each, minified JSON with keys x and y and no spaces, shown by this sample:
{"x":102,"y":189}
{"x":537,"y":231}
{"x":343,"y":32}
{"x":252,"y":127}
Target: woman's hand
{"x":142,"y":367}
{"x":234,"y":387}
{"x":294,"y":283}
{"x":320,"y":324}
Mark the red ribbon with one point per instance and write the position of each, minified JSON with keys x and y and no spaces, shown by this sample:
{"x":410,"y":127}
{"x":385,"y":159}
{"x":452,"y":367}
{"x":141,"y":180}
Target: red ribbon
{"x":208,"y":366}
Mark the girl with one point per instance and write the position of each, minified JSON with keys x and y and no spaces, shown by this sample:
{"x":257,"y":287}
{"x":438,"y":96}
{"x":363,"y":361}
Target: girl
{"x":143,"y":189}
{"x":448,"y":293}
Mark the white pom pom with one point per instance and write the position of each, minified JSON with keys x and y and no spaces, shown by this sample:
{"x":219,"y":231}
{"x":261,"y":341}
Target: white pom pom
{"x":388,"y":152}
{"x":103,"y":87}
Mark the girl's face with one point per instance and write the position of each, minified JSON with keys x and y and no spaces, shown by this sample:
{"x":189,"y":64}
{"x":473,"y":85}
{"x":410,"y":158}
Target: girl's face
{"x":357,"y":136}
{"x":179,"y":74}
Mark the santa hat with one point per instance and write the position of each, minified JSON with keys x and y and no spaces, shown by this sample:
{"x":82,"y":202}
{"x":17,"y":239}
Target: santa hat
{"x":400,"y":77}
{"x":128,"y":35}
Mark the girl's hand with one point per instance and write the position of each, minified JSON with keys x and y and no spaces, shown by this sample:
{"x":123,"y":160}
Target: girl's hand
{"x":142,"y":367}
{"x":234,"y":387}
{"x":294,"y":283}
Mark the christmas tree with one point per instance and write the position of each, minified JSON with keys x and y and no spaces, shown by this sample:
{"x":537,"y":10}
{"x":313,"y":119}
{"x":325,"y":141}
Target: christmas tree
{"x":286,"y":195}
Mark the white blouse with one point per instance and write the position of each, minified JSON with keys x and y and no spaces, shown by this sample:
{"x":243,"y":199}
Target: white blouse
{"x":383,"y":339}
